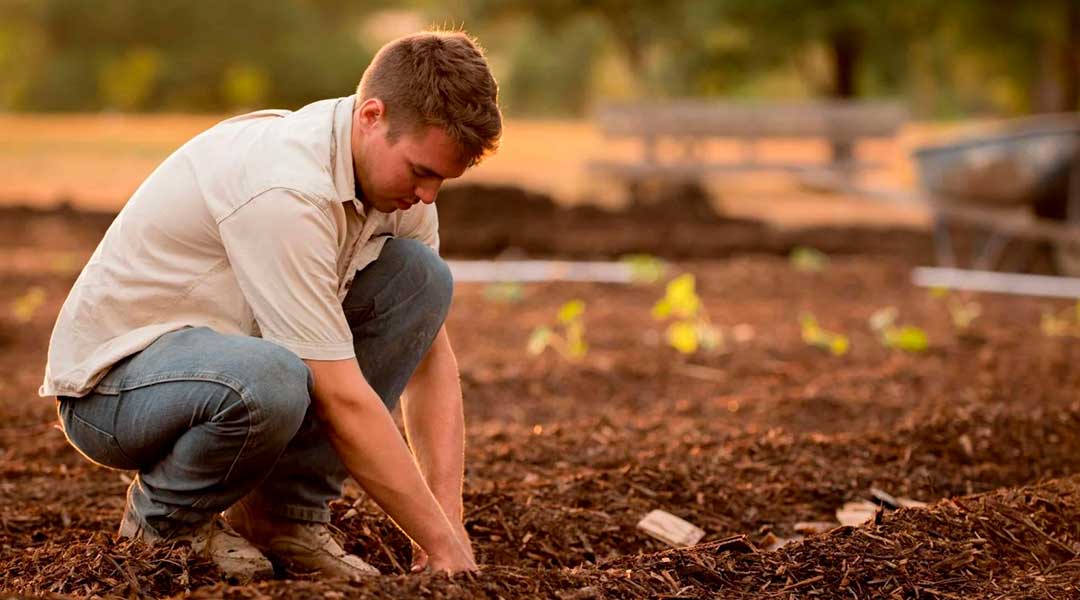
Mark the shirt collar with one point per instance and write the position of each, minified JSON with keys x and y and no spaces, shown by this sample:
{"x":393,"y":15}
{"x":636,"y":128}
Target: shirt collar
{"x":344,"y":176}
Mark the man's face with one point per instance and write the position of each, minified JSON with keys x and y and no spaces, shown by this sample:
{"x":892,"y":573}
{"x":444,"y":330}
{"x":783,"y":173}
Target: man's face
{"x":395,"y":176}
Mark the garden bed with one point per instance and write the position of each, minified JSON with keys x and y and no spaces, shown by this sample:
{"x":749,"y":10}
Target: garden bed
{"x":565,"y":457}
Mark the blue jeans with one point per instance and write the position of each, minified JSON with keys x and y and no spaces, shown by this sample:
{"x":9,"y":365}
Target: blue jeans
{"x":207,"y":419}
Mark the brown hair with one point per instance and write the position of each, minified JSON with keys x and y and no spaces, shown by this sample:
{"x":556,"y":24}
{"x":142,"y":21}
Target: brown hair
{"x":438,"y":78}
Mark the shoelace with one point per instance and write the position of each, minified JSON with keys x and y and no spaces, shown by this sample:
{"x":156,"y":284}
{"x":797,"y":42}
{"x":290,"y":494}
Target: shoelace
{"x":325,"y":538}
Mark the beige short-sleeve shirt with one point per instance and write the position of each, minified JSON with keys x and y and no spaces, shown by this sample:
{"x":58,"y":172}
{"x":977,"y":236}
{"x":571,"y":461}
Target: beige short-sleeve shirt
{"x":251,"y":228}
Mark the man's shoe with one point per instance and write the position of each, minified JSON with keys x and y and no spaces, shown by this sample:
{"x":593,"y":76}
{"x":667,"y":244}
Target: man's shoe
{"x":216,"y":540}
{"x":301,"y":547}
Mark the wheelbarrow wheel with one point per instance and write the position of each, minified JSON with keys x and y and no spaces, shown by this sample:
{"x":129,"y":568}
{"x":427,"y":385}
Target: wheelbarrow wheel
{"x":1067,"y":254}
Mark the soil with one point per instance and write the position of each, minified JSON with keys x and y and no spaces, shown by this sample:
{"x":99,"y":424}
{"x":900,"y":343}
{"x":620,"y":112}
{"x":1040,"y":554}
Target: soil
{"x":564,"y":457}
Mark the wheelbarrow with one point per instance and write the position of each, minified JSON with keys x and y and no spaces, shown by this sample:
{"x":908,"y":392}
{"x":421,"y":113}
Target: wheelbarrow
{"x":1021,"y":181}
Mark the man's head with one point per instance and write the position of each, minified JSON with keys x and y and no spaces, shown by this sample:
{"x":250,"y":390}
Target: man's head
{"x":426,"y":110}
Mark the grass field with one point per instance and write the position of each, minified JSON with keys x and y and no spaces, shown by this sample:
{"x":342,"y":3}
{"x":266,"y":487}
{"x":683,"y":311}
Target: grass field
{"x":96,"y":161}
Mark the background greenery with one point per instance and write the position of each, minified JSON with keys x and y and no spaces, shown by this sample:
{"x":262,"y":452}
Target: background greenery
{"x":553,"y":58}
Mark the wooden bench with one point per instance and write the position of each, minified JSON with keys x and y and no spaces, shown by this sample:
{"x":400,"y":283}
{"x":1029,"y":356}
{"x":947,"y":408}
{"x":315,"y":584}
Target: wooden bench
{"x":689,"y":123}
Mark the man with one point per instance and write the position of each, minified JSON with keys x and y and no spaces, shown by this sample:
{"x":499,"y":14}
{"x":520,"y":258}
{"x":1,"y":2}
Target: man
{"x":253,"y":314}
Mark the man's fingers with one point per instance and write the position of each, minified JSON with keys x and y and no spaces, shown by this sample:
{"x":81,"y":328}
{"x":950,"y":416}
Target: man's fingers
{"x":419,"y":561}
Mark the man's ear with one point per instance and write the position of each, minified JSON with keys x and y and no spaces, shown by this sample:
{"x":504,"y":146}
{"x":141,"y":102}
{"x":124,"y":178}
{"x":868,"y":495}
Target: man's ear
{"x":369,"y":113}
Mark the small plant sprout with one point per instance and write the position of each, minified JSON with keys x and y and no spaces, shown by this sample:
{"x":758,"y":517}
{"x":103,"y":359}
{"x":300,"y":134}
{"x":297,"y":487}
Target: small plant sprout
{"x":567,"y":337}
{"x":837,"y":344}
{"x":506,"y":292}
{"x":1061,"y":324}
{"x":901,"y":337}
{"x":644,"y":268}
{"x":962,"y":313}
{"x":690,"y":329}
{"x":26,"y":306}
{"x":807,"y":259}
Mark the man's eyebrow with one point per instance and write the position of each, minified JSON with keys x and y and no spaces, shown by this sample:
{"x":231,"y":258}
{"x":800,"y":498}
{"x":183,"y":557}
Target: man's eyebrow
{"x":428,"y":171}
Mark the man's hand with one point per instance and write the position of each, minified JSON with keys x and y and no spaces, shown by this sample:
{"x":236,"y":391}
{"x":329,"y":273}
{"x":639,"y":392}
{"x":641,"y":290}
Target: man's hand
{"x":371,"y":448}
{"x":435,"y":427}
{"x":421,"y":560}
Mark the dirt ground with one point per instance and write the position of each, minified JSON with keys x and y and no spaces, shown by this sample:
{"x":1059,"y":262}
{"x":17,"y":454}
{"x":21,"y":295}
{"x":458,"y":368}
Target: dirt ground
{"x":565,"y":458}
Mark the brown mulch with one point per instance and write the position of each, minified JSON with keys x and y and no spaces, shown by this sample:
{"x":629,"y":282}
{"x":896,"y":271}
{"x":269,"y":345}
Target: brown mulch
{"x":564,"y":458}
{"x":1013,"y":543}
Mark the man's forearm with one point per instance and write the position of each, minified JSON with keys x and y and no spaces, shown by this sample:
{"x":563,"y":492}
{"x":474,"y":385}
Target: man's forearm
{"x":435,"y":425}
{"x":366,"y":439}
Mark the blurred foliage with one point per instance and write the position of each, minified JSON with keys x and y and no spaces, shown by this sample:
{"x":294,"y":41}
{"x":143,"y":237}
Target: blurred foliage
{"x":690,"y":328}
{"x":815,"y":335}
{"x":552,"y":57}
{"x":177,"y":54}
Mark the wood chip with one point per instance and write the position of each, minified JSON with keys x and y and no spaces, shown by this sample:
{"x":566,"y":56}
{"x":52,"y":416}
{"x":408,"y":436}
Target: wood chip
{"x":886,"y":499}
{"x":856,"y":513}
{"x":965,"y":443}
{"x":815,"y":527}
{"x":773,"y":542}
{"x":909,"y":503}
{"x":670,"y":529}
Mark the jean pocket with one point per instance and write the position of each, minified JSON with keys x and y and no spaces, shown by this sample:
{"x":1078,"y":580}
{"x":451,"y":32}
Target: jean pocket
{"x":99,"y":446}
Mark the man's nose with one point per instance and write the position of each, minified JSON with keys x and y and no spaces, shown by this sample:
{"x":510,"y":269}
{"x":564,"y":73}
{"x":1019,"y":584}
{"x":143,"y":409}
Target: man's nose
{"x":427,"y":192}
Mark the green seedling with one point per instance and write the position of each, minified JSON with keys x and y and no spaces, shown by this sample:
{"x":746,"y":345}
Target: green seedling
{"x":837,"y":344}
{"x":567,"y":337}
{"x":807,"y":259}
{"x":644,"y":268}
{"x":26,"y":306}
{"x":1065,"y":323}
{"x":506,"y":292}
{"x":961,"y":312}
{"x":690,"y":328}
{"x":901,"y":337}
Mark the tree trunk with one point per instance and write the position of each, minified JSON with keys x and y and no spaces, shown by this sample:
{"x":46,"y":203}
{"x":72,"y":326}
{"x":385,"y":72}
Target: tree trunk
{"x":846,"y":49}
{"x":1070,"y":58}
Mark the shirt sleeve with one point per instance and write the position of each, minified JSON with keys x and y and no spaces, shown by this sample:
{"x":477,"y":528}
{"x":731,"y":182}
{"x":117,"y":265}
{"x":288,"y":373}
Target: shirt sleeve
{"x":423,"y":226}
{"x":283,"y":249}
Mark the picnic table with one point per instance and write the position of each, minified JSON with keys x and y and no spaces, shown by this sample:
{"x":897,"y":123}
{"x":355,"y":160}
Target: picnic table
{"x":689,"y":124}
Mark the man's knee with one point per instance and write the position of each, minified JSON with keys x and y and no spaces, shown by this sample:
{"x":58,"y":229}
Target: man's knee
{"x":277,"y":390}
{"x":423,"y":270}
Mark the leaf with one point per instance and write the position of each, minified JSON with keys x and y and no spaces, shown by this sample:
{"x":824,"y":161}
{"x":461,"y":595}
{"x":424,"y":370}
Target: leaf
{"x":24,"y":307}
{"x":506,"y":291}
{"x":644,"y":268}
{"x":571,"y":311}
{"x":839,"y":345}
{"x":907,"y":338}
{"x":814,"y":335}
{"x":1053,"y":326}
{"x":964,"y":313}
{"x":683,"y":337}
{"x":538,"y":340}
{"x":811,"y":331}
{"x":662,"y":309}
{"x":807,"y":259}
{"x":710,"y":338}
{"x":578,"y":349}
{"x":681,"y":296}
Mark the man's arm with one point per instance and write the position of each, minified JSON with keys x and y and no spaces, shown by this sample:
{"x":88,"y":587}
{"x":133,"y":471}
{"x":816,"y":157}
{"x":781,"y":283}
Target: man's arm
{"x":435,"y":426}
{"x":368,"y":443}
